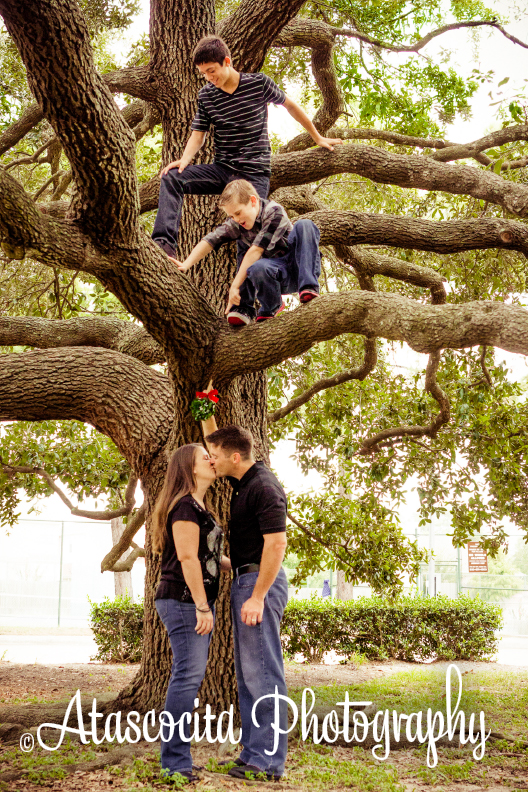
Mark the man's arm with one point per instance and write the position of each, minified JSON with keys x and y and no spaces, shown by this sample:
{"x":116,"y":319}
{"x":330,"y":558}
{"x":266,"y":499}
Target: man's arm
{"x":270,"y":564}
{"x":298,"y":113}
{"x":194,"y":144}
{"x":196,"y":255}
{"x":252,"y":255}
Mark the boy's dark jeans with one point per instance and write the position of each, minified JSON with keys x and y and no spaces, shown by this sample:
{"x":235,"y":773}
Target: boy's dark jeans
{"x":194,"y":180}
{"x":267,"y":279}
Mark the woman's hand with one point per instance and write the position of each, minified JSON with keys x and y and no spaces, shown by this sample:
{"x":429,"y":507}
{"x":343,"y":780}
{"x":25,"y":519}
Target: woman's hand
{"x":225,"y":564}
{"x":204,"y":622}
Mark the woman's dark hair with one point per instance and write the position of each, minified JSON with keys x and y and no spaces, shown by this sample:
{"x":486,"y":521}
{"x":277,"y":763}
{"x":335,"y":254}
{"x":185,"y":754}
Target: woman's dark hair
{"x":179,"y":481}
{"x":210,"y":49}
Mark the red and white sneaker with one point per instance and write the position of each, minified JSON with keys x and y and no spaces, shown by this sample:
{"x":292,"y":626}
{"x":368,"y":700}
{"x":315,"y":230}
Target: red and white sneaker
{"x":307,"y":294}
{"x":263,"y":317}
{"x":238,"y":318}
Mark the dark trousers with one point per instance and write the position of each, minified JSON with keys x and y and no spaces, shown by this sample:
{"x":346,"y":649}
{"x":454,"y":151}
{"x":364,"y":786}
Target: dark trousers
{"x":267,"y":279}
{"x":194,"y":180}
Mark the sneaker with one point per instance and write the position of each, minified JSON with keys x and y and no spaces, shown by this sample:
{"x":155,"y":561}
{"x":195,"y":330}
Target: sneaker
{"x":263,"y":317}
{"x":307,"y":294}
{"x":251,"y":772}
{"x":237,"y":318}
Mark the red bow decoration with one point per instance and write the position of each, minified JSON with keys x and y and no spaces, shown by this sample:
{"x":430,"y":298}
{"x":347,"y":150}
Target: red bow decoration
{"x":212,"y":395}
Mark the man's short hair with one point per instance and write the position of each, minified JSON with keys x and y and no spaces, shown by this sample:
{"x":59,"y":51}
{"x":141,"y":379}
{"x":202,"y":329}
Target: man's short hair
{"x":238,"y":190}
{"x":210,"y":49}
{"x":233,"y":439}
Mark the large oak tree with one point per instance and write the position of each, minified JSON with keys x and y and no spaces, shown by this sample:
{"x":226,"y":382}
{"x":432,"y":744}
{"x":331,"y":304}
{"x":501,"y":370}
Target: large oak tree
{"x":101,"y":371}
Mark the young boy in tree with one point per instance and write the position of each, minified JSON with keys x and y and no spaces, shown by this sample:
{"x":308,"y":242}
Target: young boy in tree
{"x":277,"y":258}
{"x":236,"y":104}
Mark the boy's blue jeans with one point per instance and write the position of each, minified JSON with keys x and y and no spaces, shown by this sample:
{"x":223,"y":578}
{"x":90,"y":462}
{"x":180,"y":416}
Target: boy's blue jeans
{"x":189,"y":651}
{"x":259,"y":670}
{"x":267,"y":279}
{"x":194,"y":180}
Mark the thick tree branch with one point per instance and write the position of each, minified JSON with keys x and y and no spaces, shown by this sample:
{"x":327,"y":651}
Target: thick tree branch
{"x":315,"y":35}
{"x":132,"y":527}
{"x":426,"y":328}
{"x":115,"y":334}
{"x":119,"y":396}
{"x":269,"y":17}
{"x":450,"y":236}
{"x":411,"y":170}
{"x":387,"y":437}
{"x":26,"y":231}
{"x":54,"y":44}
{"x":359,"y":373}
{"x":365,"y":263}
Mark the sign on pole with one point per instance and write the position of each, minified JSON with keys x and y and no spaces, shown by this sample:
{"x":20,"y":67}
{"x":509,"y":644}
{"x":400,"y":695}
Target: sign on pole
{"x":477,"y":558}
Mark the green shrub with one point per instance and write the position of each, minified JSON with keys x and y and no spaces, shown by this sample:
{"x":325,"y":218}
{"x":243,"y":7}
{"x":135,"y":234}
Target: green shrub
{"x":409,"y":628}
{"x":118,"y":629}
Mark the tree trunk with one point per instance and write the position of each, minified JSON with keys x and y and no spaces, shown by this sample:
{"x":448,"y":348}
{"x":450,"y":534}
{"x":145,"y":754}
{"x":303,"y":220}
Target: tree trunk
{"x":122,"y":580}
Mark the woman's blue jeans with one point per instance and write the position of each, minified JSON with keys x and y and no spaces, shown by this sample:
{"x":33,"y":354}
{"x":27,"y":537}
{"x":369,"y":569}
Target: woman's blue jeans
{"x":189,"y":651}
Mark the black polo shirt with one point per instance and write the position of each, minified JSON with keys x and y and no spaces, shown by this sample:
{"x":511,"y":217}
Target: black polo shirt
{"x":258,"y":507}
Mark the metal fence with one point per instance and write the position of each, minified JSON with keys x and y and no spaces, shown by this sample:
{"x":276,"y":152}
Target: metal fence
{"x":49,"y":569}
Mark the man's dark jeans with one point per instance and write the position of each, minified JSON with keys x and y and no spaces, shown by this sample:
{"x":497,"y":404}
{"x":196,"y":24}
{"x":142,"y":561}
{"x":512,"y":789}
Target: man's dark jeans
{"x":194,"y":180}
{"x":267,"y":279}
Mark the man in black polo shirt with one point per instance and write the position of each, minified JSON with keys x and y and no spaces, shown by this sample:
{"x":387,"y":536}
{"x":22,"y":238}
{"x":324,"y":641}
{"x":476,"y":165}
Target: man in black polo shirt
{"x":236,"y":104}
{"x":259,"y":592}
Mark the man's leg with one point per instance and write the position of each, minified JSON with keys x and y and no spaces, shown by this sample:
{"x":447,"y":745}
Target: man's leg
{"x":194,"y":180}
{"x":189,"y":651}
{"x":260,"y":670}
{"x":304,"y":258}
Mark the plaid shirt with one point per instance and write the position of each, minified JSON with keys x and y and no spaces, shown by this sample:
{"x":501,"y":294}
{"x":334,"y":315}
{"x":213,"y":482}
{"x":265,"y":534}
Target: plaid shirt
{"x":270,"y":231}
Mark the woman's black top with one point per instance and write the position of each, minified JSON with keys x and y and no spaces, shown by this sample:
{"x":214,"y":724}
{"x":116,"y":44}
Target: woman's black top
{"x":172,"y":584}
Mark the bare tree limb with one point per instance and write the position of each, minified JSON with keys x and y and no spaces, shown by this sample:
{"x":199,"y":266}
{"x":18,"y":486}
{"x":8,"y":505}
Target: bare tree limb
{"x":418,"y":45}
{"x":485,"y":371}
{"x":359,"y":373}
{"x":128,"y":563}
{"x":125,"y":337}
{"x":108,"y":514}
{"x":387,"y":437}
{"x":132,"y":527}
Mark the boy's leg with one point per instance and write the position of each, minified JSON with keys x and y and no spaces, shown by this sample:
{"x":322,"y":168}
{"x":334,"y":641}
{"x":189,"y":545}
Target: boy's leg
{"x":304,"y":258}
{"x":264,"y":283}
{"x":194,"y":180}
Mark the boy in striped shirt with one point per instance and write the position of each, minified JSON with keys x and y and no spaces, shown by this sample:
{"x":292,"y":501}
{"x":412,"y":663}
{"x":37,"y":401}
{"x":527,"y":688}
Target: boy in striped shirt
{"x":236,"y":104}
{"x":276,"y":258}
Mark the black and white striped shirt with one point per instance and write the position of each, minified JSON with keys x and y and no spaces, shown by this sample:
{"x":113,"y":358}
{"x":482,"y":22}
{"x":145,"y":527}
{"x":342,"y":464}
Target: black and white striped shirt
{"x":240,"y":122}
{"x":270,"y":231}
